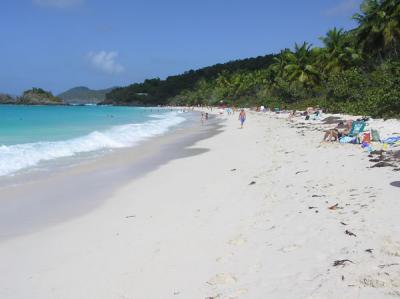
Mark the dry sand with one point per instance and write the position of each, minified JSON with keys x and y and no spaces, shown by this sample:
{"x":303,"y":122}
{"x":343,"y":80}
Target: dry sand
{"x":249,"y":218}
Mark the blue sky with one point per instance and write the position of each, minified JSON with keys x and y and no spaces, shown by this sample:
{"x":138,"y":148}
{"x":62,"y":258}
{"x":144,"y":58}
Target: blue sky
{"x":59,"y":44}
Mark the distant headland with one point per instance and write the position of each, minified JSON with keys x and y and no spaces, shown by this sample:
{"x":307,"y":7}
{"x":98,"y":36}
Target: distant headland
{"x":75,"y":96}
{"x":34,"y":96}
{"x":84,"y":95}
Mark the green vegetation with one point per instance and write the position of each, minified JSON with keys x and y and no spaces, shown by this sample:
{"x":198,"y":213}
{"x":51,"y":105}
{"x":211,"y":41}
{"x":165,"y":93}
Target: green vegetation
{"x":38,"y":96}
{"x":37,"y":91}
{"x":356,"y":71}
{"x":156,"y":91}
{"x":83,"y":95}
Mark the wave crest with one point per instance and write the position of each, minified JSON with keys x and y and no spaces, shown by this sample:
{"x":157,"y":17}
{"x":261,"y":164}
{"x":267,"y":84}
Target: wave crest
{"x":20,"y":156}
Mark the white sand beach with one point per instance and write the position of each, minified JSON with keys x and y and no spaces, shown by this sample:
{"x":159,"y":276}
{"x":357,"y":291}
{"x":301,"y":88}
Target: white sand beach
{"x":263,"y":212}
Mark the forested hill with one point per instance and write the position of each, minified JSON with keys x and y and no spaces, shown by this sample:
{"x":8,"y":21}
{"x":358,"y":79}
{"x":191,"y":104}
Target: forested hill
{"x":83,"y":95}
{"x":157,"y":91}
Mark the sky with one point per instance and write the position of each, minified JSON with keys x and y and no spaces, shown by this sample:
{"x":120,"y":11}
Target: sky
{"x":60,"y":44}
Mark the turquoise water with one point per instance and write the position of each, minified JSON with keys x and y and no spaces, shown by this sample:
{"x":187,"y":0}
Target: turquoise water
{"x":24,"y":124}
{"x":32,"y":134}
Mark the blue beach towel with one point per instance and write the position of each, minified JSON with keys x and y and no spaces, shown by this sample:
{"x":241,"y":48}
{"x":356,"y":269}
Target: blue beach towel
{"x":392,"y":140}
{"x":347,"y":139}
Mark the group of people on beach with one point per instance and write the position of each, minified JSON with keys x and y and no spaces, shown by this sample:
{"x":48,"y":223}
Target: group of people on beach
{"x":204,"y":117}
{"x":230,"y":111}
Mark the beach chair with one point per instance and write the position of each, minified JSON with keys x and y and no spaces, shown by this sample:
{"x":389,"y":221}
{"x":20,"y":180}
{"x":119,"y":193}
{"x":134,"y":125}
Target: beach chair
{"x":357,"y":127}
{"x":375,"y":135}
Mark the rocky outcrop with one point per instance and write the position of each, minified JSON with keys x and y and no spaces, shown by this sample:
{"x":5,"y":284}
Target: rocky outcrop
{"x":37,"y":96}
{"x":7,"y":99}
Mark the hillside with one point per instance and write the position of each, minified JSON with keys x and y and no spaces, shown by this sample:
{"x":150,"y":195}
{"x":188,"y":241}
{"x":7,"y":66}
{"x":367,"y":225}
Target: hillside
{"x":38,"y":96}
{"x":157,"y":91}
{"x":83,"y":95}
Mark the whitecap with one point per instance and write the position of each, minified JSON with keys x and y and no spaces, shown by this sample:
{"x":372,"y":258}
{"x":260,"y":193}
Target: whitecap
{"x":20,"y":156}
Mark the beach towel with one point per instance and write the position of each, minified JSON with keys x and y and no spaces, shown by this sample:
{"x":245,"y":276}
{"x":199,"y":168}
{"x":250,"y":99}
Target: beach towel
{"x":392,"y":140}
{"x":347,"y":139}
{"x":315,"y":116}
{"x":357,"y":127}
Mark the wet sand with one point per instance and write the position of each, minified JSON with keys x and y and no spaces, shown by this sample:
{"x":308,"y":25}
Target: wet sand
{"x":36,"y":199}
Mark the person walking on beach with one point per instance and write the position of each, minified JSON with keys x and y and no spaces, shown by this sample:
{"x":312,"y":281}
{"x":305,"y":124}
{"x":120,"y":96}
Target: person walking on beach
{"x":242,"y":117}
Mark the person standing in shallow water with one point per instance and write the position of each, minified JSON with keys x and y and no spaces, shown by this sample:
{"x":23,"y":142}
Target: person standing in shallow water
{"x":242,"y":118}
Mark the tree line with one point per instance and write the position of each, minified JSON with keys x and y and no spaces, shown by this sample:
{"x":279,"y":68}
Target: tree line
{"x":160,"y":92}
{"x":355,"y":71}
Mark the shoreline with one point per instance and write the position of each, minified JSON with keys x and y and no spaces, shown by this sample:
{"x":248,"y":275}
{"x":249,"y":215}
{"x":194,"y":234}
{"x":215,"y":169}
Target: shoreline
{"x":37,"y":143}
{"x":258,"y":212}
{"x":34,"y":200}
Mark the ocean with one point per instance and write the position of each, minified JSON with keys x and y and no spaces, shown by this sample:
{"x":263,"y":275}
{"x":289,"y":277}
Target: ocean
{"x":30,"y":135}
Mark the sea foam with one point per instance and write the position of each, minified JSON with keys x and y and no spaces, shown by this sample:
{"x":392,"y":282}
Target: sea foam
{"x":20,"y":156}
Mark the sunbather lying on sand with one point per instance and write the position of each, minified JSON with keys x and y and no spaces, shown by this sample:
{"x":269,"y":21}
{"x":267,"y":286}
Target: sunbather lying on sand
{"x":292,"y":114}
{"x":342,"y":129}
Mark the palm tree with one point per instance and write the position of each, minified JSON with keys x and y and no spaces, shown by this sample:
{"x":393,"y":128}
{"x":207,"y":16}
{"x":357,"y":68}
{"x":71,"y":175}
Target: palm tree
{"x":379,"y":27}
{"x":280,"y":62}
{"x":301,"y":65}
{"x":338,"y":53}
{"x":334,"y":39}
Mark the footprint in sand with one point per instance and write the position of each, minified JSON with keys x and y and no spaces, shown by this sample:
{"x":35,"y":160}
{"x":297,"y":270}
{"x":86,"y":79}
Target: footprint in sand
{"x":262,"y":225}
{"x":222,"y":259}
{"x":236,"y":294}
{"x":290,"y":248}
{"x":222,"y":278}
{"x":233,"y":295}
{"x":390,"y":247}
{"x":389,"y":282}
{"x":261,"y":212}
{"x":238,"y":241}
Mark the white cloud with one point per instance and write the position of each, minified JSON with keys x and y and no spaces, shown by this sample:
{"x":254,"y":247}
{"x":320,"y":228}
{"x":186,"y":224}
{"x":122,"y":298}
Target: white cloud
{"x":344,"y":8}
{"x":105,"y":61}
{"x":58,"y":3}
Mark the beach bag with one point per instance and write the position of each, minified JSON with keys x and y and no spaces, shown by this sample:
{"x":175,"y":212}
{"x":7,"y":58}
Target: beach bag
{"x":355,"y":140}
{"x":366,"y":138}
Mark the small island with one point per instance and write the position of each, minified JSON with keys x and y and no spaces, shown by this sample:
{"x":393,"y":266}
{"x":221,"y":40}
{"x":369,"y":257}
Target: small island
{"x":38,"y":96}
{"x":34,"y":96}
